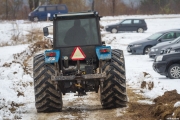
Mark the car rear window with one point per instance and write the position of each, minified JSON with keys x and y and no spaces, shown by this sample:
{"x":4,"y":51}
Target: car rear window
{"x":137,"y":21}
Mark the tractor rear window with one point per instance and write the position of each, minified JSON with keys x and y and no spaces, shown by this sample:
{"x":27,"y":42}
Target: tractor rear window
{"x":77,"y":32}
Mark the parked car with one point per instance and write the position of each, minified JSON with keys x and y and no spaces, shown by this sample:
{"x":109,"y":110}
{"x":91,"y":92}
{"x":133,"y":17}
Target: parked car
{"x":42,"y":12}
{"x":168,"y":65}
{"x":156,"y":50}
{"x":143,"y":46}
{"x":138,"y":25}
{"x":171,"y":49}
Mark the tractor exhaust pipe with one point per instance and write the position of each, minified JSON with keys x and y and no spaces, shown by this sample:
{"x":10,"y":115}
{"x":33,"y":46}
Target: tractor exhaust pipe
{"x":66,"y":63}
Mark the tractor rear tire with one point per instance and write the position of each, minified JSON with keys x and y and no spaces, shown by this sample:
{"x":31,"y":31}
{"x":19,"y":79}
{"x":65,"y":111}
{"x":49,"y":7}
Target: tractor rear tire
{"x":47,"y":97}
{"x":113,"y":92}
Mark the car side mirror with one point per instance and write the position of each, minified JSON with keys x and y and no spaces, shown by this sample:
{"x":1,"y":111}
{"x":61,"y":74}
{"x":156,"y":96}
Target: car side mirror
{"x":45,"y":31}
{"x":103,"y":43}
{"x":160,"y":40}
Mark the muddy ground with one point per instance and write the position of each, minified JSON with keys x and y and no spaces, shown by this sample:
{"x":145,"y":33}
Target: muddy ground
{"x":162,"y":109}
{"x":89,"y":108}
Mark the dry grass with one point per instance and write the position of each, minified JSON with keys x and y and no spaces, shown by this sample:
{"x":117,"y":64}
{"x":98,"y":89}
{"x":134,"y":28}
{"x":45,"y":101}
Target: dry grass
{"x":17,"y":37}
{"x":33,"y":48}
{"x":24,"y":57}
{"x":35,"y":34}
{"x":16,"y":33}
{"x":4,"y":44}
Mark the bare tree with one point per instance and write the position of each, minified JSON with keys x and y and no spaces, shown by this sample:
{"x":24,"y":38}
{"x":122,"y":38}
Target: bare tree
{"x":113,"y":7}
{"x":6,"y":10}
{"x":33,"y":4}
{"x":15,"y":5}
{"x":56,"y":1}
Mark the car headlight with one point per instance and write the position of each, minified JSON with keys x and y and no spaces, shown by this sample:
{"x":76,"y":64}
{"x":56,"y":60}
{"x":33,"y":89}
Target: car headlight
{"x":106,"y":26}
{"x":137,"y":45}
{"x":159,"y":58}
{"x":152,"y":50}
{"x":29,"y":14}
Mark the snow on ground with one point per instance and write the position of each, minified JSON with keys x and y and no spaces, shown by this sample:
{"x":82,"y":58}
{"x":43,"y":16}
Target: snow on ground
{"x":13,"y":83}
{"x":177,"y":104}
{"x":11,"y":31}
{"x":16,"y":86}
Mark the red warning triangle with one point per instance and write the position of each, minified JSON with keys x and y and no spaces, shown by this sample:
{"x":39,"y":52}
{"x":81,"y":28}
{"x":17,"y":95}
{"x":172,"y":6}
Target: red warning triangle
{"x":78,"y":54}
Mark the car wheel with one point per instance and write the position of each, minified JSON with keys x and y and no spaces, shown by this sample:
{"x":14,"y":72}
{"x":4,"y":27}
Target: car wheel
{"x":146,"y":50}
{"x":140,"y":30}
{"x":36,"y":19}
{"x":114,"y":30}
{"x":174,"y":71}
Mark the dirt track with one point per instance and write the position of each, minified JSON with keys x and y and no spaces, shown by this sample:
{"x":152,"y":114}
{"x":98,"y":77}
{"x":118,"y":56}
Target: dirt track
{"x":89,"y":108}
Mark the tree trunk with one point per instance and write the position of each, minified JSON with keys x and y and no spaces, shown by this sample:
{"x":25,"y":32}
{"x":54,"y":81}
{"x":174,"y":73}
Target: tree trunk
{"x":113,"y":7}
{"x":92,"y":6}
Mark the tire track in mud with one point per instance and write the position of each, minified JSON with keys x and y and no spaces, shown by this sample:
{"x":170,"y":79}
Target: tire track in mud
{"x":81,"y":108}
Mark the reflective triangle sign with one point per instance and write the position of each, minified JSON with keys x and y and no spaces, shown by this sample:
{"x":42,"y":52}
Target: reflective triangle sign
{"x":78,"y":54}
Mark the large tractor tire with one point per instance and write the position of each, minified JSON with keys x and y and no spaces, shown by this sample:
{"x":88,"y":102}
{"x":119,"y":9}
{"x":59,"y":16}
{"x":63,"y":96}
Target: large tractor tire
{"x":113,"y":91}
{"x":47,"y":97}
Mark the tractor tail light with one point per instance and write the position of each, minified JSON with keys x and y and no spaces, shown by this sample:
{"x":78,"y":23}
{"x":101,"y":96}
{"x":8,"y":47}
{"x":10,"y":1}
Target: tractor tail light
{"x":51,"y":54}
{"x":104,"y":50}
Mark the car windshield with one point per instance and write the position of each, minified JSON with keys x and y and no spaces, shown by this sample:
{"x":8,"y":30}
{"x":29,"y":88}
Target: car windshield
{"x":154,"y":36}
{"x":35,"y":9}
{"x":77,"y":32}
{"x":177,"y":40}
{"x":116,"y":23}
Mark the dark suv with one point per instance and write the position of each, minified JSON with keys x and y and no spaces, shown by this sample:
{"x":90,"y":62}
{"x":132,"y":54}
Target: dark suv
{"x":138,"y":25}
{"x":168,"y":65}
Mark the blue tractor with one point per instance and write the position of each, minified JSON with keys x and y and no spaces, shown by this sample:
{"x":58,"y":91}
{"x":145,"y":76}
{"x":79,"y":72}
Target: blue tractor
{"x":79,"y":62}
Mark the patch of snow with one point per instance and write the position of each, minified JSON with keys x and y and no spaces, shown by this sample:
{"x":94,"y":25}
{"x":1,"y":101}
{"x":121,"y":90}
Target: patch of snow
{"x":145,"y":102}
{"x":177,"y":104}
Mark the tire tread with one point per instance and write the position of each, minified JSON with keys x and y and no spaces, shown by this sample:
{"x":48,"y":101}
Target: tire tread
{"x":47,"y":98}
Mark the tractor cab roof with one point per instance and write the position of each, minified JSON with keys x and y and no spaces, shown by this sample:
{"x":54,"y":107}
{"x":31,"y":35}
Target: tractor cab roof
{"x":76,"y":15}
